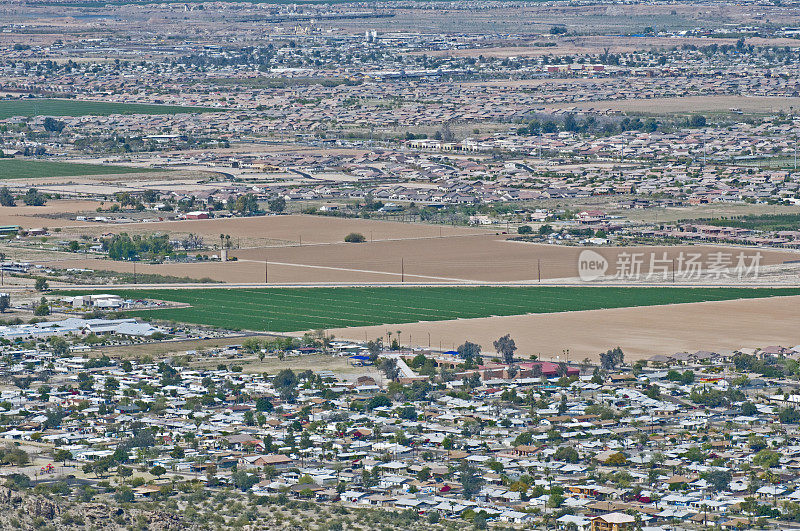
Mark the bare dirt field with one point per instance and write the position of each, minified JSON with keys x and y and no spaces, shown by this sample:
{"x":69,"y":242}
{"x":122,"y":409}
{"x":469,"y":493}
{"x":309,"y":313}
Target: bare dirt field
{"x":160,"y":349}
{"x":339,"y":364}
{"x":641,"y":332}
{"x":32,"y":217}
{"x":481,"y":258}
{"x":753,"y":104}
{"x":715,"y":210}
{"x":484,"y":258}
{"x":265,"y":230}
{"x":595,"y":44}
{"x":316,"y":362}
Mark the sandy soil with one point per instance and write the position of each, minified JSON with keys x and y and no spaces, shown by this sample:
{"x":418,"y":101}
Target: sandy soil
{"x":315,"y":362}
{"x":641,"y":332}
{"x":32,"y":217}
{"x":696,"y":103}
{"x":265,"y":230}
{"x":234,"y":272}
{"x":712,"y":210}
{"x":487,"y":258}
{"x":594,"y":44}
{"x":161,"y":349}
{"x":482,"y":258}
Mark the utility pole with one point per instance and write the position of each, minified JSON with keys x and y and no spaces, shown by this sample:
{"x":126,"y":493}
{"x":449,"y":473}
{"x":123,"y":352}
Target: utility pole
{"x":791,"y":117}
{"x":704,"y":152}
{"x":673,"y":271}
{"x":402,"y":270}
{"x":539,"y":268}
{"x":266,"y":271}
{"x":539,"y":145}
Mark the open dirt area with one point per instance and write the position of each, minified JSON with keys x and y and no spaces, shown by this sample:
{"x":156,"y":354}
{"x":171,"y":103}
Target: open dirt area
{"x":715,"y":210}
{"x":265,"y":230}
{"x":596,"y":44}
{"x":161,"y":349}
{"x":748,"y":104}
{"x":43,"y":216}
{"x":316,"y":362}
{"x":484,"y":258}
{"x":481,"y":258}
{"x":641,"y":332}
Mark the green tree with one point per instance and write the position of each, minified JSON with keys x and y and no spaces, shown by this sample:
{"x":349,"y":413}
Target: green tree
{"x":390,"y":368}
{"x":277,"y":204}
{"x":567,"y":453}
{"x":756,"y":442}
{"x":264,"y":404}
{"x":124,"y":472}
{"x":749,"y":409}
{"x":789,"y":415}
{"x":695,"y":454}
{"x":42,"y":308}
{"x":719,"y":479}
{"x":62,"y":455}
{"x":766,"y":458}
{"x":471,"y":480}
{"x":355,"y":237}
{"x":34,"y":198}
{"x":51,"y":125}
{"x":285,"y":383}
{"x":124,"y":495}
{"x":505,"y":346}
{"x":59,"y":346}
{"x":6,"y":199}
{"x":555,"y":500}
{"x":470,"y":352}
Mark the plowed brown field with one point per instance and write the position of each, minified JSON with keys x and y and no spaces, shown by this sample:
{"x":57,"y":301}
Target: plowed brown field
{"x":641,"y":332}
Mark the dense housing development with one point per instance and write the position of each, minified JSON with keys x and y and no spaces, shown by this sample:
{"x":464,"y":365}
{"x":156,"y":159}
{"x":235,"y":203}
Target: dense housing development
{"x":703,"y":438}
{"x":472,"y":264}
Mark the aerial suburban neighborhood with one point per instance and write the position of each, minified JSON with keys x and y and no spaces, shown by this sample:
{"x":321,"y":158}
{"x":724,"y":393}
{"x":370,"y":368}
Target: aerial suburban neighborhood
{"x":336,"y":265}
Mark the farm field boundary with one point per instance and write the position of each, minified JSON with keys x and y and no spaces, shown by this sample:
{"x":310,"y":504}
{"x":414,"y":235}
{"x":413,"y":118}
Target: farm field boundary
{"x":296,"y":309}
{"x":25,"y":169}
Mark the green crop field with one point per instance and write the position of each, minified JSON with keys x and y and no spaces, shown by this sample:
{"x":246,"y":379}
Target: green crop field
{"x":22,"y":169}
{"x":48,"y":107}
{"x":290,"y":309}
